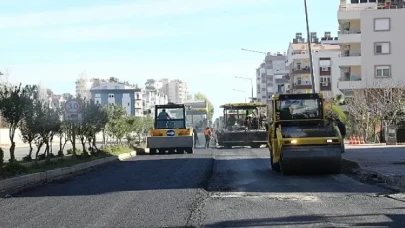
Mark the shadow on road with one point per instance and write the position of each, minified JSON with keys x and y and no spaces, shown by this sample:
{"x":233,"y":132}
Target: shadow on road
{"x":163,"y":172}
{"x":397,"y":220}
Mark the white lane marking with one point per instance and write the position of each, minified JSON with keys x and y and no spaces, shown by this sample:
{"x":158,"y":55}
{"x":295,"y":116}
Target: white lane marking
{"x":274,"y":196}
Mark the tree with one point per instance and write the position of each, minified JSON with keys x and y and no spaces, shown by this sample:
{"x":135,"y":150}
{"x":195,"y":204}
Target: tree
{"x":29,"y":130}
{"x":48,"y":124}
{"x":96,"y":119}
{"x":380,"y":102}
{"x":15,"y":102}
{"x":116,"y":126}
{"x":201,"y":96}
{"x":333,"y":110}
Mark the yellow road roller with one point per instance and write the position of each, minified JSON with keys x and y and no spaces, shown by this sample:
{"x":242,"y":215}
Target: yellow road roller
{"x":170,"y":133}
{"x":300,"y":138}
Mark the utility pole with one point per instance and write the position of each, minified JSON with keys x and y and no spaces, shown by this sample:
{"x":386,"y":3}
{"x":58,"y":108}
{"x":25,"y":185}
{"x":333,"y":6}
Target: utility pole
{"x":251,"y":83}
{"x":311,"y":63}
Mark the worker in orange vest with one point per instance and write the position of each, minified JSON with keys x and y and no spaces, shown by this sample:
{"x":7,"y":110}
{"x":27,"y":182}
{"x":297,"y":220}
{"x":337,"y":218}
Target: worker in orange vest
{"x":207,"y":134}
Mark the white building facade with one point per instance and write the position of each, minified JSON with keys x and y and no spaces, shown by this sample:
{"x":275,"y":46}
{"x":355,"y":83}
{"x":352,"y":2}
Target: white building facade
{"x":152,"y":98}
{"x":325,"y":55}
{"x":371,"y":42}
{"x":271,"y":77}
{"x":177,"y":91}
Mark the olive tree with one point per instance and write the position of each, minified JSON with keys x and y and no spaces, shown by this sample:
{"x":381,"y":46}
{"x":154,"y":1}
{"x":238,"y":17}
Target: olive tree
{"x":15,"y":102}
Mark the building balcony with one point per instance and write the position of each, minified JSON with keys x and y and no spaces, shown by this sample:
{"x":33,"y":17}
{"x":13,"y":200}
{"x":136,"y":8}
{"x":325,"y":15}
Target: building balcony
{"x":349,"y":82}
{"x":349,"y":36}
{"x":325,"y":71}
{"x":353,"y":11}
{"x":325,"y":86}
{"x":349,"y":59}
{"x":281,"y":80}
{"x":304,"y":70}
{"x":302,"y":85}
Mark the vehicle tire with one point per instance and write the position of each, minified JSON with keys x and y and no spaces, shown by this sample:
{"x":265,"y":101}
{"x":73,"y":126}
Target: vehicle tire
{"x":285,"y":171}
{"x":180,"y":150}
{"x":227,"y":146}
{"x":336,"y":169}
{"x":190,"y":150}
{"x":274,"y":166}
{"x":162,"y":151}
{"x":171,"y":151}
{"x":152,"y":151}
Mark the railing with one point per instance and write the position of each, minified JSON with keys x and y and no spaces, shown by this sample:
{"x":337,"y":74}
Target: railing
{"x":349,"y":54}
{"x":352,"y":78}
{"x":348,"y":32}
{"x":302,"y":68}
{"x":374,"y":7}
{"x":302,"y":83}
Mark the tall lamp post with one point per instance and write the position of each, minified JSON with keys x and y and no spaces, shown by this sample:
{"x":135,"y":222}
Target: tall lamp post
{"x":251,"y":83}
{"x":311,"y":63}
{"x":238,"y":90}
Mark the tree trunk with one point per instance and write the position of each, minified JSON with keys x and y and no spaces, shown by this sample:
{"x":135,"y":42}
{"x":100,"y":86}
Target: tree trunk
{"x":60,"y":152}
{"x":83,"y":145}
{"x":95,"y":143}
{"x":38,"y":149}
{"x":31,"y":149}
{"x":47,"y":151}
{"x":12,"y":147}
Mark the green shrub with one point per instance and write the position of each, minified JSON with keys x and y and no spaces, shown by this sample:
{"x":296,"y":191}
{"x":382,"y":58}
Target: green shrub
{"x":117,"y":149}
{"x":15,"y":169}
{"x":70,"y":151}
{"x":27,"y":158}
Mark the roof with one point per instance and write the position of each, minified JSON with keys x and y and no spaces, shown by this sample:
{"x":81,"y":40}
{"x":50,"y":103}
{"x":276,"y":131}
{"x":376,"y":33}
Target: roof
{"x":297,"y":96}
{"x":243,"y":105}
{"x":325,"y":47}
{"x":170,"y":106}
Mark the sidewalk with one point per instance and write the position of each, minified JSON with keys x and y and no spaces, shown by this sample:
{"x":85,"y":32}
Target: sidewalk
{"x":386,"y":163}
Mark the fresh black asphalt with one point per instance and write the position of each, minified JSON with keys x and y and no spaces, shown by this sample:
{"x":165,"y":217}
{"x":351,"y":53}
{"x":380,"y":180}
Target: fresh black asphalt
{"x":211,"y":188}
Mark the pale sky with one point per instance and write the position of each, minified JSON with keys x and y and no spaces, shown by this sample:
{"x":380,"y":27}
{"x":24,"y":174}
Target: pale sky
{"x":198,"y":41}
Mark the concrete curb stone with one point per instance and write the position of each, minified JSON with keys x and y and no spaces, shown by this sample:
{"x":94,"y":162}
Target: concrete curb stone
{"x":19,"y":183}
{"x":396,"y":182}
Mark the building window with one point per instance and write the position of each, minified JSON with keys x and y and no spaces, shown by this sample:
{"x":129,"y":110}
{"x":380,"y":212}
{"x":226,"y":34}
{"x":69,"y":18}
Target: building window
{"x":383,"y":71}
{"x":382,"y":24}
{"x":111,"y":95}
{"x":382,"y":48}
{"x":137,"y":96}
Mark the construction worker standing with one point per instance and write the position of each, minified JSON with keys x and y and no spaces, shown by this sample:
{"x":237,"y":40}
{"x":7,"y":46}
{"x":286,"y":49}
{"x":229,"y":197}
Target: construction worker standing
{"x":207,"y":134}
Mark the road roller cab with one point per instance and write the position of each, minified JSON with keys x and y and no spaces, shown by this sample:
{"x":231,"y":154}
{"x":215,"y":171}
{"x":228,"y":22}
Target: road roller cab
{"x":300,"y":137}
{"x":170,"y":131}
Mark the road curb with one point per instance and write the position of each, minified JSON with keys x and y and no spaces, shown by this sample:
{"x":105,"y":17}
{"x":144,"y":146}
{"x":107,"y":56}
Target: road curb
{"x":15,"y":184}
{"x":396,"y":182}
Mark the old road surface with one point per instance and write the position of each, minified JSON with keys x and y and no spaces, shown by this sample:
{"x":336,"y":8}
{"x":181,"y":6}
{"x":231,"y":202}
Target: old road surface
{"x":212,"y":188}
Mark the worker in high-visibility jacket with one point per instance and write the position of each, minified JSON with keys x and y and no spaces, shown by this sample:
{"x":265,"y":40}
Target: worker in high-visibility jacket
{"x":207,"y":134}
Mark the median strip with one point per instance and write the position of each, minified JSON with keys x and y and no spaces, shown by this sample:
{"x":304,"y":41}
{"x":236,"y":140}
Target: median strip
{"x":15,"y":184}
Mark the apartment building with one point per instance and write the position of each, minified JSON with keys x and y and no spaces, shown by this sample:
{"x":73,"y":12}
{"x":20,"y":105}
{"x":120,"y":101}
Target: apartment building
{"x":115,"y":93}
{"x":372,"y":48}
{"x":271,"y":76}
{"x":325,"y":52}
{"x":178,"y":91}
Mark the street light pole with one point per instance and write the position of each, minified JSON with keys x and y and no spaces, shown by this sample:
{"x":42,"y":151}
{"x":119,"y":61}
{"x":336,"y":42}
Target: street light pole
{"x":311,"y":63}
{"x":251,"y":83}
{"x":238,"y":90}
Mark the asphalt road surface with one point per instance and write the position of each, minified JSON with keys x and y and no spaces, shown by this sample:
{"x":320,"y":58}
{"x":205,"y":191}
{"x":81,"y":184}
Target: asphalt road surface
{"x":212,"y":188}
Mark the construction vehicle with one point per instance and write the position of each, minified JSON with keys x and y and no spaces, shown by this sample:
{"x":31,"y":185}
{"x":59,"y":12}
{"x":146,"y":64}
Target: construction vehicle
{"x":170,"y":132}
{"x":300,"y":137}
{"x":243,"y":125}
